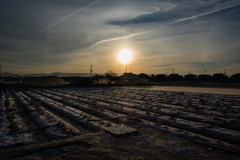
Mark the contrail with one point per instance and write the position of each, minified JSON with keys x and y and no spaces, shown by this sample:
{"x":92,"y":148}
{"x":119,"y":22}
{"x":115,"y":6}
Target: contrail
{"x":207,"y":13}
{"x":60,"y":21}
{"x":117,"y":38}
{"x":177,"y":21}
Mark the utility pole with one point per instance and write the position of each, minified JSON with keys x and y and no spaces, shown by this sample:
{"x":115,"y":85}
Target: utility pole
{"x":91,"y":70}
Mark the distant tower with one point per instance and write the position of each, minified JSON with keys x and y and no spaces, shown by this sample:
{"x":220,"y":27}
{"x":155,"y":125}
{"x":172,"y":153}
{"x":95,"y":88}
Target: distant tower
{"x":225,"y":72}
{"x":91,"y":70}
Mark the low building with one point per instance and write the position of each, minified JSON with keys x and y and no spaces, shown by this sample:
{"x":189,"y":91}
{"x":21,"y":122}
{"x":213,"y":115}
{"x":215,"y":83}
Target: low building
{"x":73,"y":81}
{"x":235,"y":78}
{"x":204,"y":78}
{"x":143,"y":75}
{"x":15,"y":76}
{"x":47,"y":81}
{"x":128,"y":75}
{"x":14,"y":80}
{"x":130,"y":78}
{"x":161,"y":77}
{"x":190,"y":77}
{"x":174,"y":77}
{"x":101,"y":80}
{"x":220,"y":77}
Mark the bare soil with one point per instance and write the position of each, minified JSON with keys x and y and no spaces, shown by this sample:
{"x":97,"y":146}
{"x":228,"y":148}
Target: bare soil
{"x":82,"y":123}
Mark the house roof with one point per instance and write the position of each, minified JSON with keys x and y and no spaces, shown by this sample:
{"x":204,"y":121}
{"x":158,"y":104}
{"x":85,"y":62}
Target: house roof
{"x":128,"y":74}
{"x":131,"y":78}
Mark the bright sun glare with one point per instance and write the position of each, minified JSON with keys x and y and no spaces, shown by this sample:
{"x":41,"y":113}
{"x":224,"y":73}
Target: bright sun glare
{"x":125,"y":56}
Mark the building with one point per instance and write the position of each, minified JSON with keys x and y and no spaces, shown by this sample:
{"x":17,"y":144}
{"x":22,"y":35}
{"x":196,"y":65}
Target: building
{"x":190,"y":77}
{"x":130,"y":78}
{"x":235,"y":78}
{"x":143,"y":75}
{"x":161,"y":77}
{"x":101,"y":80}
{"x":73,"y":81}
{"x":174,"y":77}
{"x":204,"y":78}
{"x":47,"y":81}
{"x":220,"y":77}
{"x":15,"y":76}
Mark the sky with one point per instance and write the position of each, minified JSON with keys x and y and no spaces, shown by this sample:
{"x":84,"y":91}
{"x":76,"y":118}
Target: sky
{"x":189,"y":36}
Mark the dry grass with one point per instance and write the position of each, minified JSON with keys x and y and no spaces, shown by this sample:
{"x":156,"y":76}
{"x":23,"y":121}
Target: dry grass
{"x":137,"y":118}
{"x":172,"y":117}
{"x":224,"y":110}
{"x":108,"y":124}
{"x":147,"y":112}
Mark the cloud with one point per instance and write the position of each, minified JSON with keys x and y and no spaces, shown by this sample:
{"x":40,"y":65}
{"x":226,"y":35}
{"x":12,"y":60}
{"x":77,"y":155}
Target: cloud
{"x":177,"y":13}
{"x":150,"y":29}
{"x":214,"y":10}
{"x":53,"y":24}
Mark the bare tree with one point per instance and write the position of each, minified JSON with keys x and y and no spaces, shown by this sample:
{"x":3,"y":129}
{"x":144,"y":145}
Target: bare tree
{"x":110,"y":73}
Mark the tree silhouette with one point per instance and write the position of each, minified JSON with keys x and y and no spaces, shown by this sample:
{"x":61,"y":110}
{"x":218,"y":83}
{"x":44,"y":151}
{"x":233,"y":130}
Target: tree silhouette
{"x":110,"y":73}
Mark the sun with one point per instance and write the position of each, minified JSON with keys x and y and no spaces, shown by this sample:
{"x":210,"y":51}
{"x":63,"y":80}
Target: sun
{"x":124,"y":56}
